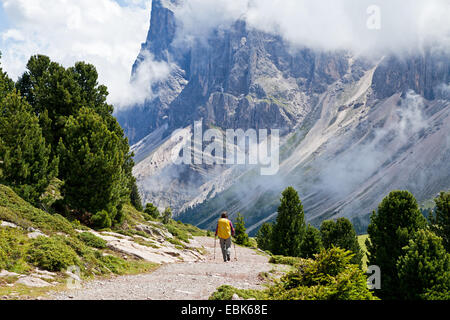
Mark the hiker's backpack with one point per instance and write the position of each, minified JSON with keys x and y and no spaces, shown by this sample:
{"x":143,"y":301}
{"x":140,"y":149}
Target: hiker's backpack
{"x":224,"y":229}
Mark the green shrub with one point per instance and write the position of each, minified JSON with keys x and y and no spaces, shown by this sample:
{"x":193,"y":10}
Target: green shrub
{"x":152,"y":211}
{"x":330,"y":276}
{"x":52,"y":254}
{"x":101,"y":220}
{"x":178,"y":233}
{"x":115,"y":264}
{"x":92,"y":240}
{"x":12,"y":250}
{"x":226,"y":293}
{"x":291,"y":261}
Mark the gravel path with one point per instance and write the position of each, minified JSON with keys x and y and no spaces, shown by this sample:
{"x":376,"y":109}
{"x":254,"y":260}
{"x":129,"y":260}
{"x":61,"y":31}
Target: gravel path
{"x":180,"y":281}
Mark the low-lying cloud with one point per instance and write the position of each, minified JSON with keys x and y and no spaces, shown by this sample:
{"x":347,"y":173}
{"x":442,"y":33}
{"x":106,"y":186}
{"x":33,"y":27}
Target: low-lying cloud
{"x":363,"y":26}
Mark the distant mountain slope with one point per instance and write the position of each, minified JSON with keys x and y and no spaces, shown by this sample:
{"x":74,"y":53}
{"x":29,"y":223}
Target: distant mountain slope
{"x":352,"y":129}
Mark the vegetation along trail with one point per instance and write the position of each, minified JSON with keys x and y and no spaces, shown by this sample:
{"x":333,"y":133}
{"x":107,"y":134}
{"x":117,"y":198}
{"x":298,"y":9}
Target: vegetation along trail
{"x":181,"y":281}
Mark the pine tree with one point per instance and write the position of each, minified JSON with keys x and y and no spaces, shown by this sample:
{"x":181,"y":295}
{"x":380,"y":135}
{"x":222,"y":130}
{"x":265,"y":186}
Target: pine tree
{"x":6,"y":84}
{"x":24,"y":155}
{"x":440,"y":218}
{"x":264,"y":237}
{"x":92,"y":160}
{"x":424,"y":269}
{"x":241,"y":235}
{"x":58,"y":96}
{"x":341,"y":234}
{"x":390,"y":229}
{"x":289,"y":229}
{"x":312,"y":243}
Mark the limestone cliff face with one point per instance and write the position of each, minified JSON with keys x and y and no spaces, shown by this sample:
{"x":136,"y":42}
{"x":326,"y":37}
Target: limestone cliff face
{"x":352,"y":129}
{"x":239,"y":78}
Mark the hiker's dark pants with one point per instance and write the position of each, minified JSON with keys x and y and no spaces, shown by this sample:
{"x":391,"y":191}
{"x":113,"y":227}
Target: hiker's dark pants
{"x":225,"y":244}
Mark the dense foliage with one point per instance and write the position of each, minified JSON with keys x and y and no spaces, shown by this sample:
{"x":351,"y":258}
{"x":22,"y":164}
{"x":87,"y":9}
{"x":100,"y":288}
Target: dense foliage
{"x":152,"y":211}
{"x":424,"y":269}
{"x":264,"y":236}
{"x":340,"y":233}
{"x":59,"y":125}
{"x":330,"y":276}
{"x":440,"y":218}
{"x":390,"y":229}
{"x":312,"y":243}
{"x":241,"y":235}
{"x":26,"y":164}
{"x":289,"y":228}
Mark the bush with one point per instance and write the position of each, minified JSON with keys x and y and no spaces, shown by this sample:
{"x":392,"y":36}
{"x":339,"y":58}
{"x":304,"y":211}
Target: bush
{"x":152,"y":211}
{"x":92,"y":240}
{"x":226,"y":293}
{"x":178,"y":233}
{"x":101,"y":220}
{"x":12,"y":250}
{"x":330,"y":276}
{"x":52,"y":254}
{"x":290,"y":261}
{"x":115,"y":264}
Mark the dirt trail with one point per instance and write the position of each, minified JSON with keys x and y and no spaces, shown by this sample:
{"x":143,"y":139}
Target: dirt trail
{"x":180,"y":281}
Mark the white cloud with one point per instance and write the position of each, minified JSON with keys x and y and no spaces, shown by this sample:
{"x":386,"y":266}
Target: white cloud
{"x":405,"y":25}
{"x":100,"y":32}
{"x":109,"y":35}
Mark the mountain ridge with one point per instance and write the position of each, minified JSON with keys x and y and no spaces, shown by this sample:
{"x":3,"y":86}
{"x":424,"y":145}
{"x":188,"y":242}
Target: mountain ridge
{"x":334,"y":109}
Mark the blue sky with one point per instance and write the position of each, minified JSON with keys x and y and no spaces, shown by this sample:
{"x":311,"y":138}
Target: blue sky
{"x":3,"y":20}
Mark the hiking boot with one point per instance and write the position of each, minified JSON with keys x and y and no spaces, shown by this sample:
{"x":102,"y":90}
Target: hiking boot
{"x":229,"y":258}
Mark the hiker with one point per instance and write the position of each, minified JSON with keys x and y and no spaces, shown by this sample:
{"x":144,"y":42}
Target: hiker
{"x":225,"y":230}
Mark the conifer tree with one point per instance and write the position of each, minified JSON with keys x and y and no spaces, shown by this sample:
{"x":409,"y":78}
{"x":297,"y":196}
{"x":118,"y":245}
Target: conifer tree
{"x":289,"y":229}
{"x":264,"y":237}
{"x":390,"y":229}
{"x":440,"y":218}
{"x":424,"y":269}
{"x":25,"y":163}
{"x":92,"y":162}
{"x":241,"y":235}
{"x":341,"y":234}
{"x":312,"y":243}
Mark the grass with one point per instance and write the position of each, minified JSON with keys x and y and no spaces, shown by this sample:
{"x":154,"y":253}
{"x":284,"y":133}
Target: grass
{"x":290,"y":261}
{"x":226,"y":293}
{"x":16,"y":210}
{"x":62,"y":246}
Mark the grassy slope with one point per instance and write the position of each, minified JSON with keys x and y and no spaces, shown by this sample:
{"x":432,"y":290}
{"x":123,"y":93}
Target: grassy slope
{"x":20,"y":254}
